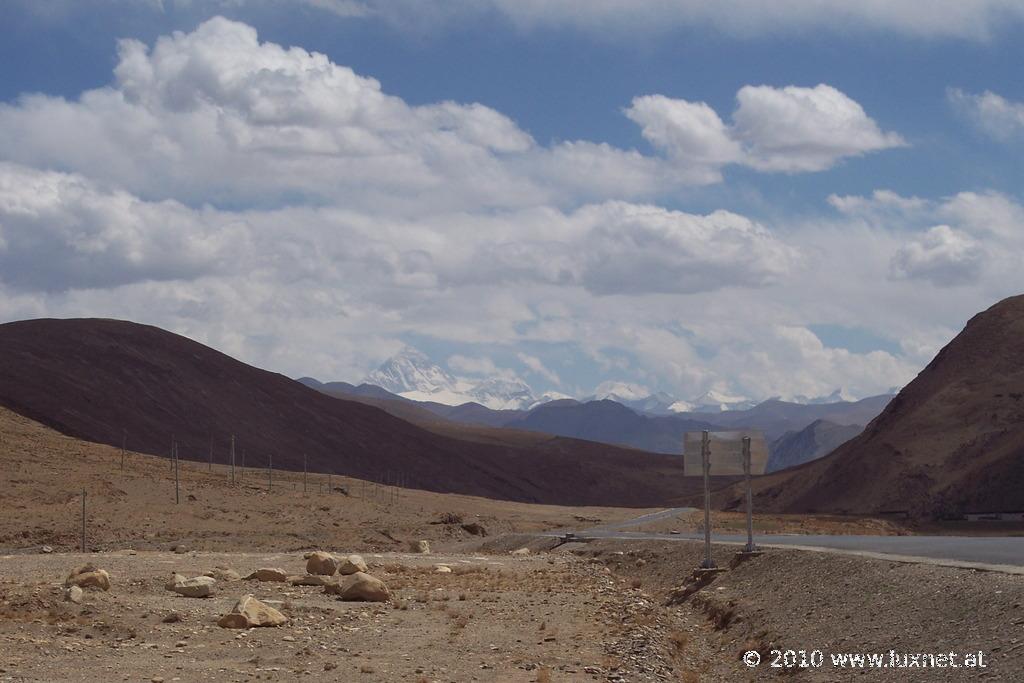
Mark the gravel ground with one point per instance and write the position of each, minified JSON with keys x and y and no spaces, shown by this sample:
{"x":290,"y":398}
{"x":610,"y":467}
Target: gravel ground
{"x":552,"y":617}
{"x":796,"y":600}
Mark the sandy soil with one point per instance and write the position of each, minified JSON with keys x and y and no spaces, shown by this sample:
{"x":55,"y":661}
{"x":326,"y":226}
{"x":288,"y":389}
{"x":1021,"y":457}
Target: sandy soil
{"x":736,"y":523}
{"x":43,"y":474}
{"x":494,"y":618}
{"x":604,"y":611}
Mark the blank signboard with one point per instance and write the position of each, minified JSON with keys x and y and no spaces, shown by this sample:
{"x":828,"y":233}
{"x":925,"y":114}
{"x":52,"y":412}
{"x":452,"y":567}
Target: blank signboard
{"x":726,"y":453}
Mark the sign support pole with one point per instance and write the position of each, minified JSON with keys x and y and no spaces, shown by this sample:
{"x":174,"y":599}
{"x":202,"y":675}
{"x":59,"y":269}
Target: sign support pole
{"x":705,"y":456}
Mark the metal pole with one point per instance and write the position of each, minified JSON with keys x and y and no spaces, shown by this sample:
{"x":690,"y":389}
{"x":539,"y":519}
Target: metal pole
{"x":303,"y":474}
{"x":242,"y":473}
{"x":124,"y":443}
{"x":705,"y":456}
{"x":233,"y":458}
{"x":750,"y":497}
{"x":83,"y":520}
{"x":177,"y":499}
{"x":270,"y":472}
{"x":211,"y":454}
{"x":173,"y":444}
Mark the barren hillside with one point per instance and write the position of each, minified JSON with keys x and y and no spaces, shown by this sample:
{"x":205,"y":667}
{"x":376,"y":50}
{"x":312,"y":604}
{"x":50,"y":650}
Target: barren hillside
{"x":97,"y":379}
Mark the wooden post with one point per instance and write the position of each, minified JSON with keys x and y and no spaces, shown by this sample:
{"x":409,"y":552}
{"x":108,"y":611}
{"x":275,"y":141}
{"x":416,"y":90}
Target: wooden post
{"x":83,"y":520}
{"x":177,"y":498}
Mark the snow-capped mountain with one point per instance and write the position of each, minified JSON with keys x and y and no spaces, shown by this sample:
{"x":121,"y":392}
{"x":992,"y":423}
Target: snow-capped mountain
{"x":500,"y":393}
{"x":633,"y":396}
{"x":549,"y":396}
{"x":411,"y":374}
{"x":717,"y":401}
{"x":410,"y":370}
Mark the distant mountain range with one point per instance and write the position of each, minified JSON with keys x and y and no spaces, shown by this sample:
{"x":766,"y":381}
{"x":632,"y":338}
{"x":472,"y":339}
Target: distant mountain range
{"x":642,"y":423}
{"x":413,"y":375}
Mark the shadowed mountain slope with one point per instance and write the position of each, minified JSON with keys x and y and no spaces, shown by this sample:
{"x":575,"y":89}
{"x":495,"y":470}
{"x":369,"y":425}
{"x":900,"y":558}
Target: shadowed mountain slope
{"x":951,"y":441}
{"x":92,"y":379}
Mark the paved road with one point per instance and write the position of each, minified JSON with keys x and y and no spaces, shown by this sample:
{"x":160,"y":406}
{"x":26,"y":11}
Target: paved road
{"x":992,"y":551}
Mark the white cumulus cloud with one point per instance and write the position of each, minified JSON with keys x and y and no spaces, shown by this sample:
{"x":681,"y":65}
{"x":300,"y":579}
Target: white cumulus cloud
{"x":993,"y":114}
{"x":942,"y":255}
{"x":791,"y":129}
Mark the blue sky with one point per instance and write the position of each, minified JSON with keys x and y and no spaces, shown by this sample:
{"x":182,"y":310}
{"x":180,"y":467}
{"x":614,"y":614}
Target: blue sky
{"x":779,"y":239}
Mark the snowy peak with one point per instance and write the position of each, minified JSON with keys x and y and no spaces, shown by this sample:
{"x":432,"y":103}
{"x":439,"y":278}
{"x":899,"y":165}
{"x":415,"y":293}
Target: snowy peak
{"x":717,"y":401}
{"x":501,"y":393}
{"x":411,"y":374}
{"x":411,"y":371}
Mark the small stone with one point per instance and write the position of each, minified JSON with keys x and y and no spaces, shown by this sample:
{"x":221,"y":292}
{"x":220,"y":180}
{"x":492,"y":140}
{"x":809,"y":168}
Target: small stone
{"x":88,"y":576}
{"x":73,"y":594}
{"x":422,"y":547}
{"x":249,"y":612}
{"x":352,"y":564}
{"x":321,"y":563}
{"x":360,"y":587}
{"x":46,"y":549}
{"x":268,"y":574}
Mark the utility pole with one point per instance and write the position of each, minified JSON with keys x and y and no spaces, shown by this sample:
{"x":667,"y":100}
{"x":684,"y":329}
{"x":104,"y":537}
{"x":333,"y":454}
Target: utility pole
{"x":177,"y":498}
{"x":750,"y":547}
{"x":705,"y":456}
{"x":83,"y":520}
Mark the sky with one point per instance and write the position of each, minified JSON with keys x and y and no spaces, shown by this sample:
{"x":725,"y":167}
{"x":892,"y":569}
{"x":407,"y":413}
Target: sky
{"x":760,"y":199}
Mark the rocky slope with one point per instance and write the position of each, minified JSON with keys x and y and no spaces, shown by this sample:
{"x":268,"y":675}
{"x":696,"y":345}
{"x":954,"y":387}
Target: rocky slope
{"x":951,"y":441}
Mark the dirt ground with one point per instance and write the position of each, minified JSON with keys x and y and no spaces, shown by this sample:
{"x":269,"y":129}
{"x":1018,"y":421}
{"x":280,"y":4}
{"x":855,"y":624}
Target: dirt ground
{"x":736,"y":523}
{"x":43,"y":475}
{"x":604,"y":611}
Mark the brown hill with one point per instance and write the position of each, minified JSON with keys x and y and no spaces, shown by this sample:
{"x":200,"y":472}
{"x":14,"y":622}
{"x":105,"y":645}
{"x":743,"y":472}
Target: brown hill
{"x":94,"y":378}
{"x":951,"y":441}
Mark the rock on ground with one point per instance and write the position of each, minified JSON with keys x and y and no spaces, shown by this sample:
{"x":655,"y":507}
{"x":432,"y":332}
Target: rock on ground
{"x":249,"y":612}
{"x":88,"y":576}
{"x":198,"y":587}
{"x":321,"y":563}
{"x":360,"y":587}
{"x":73,"y":594}
{"x":223,"y":574}
{"x":422,"y":547}
{"x":311,"y":580}
{"x":352,"y":564}
{"x":268,"y":574}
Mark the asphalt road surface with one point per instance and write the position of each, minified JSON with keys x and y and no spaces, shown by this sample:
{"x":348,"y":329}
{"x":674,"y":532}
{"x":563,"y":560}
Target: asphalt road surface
{"x":1007,"y":551}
